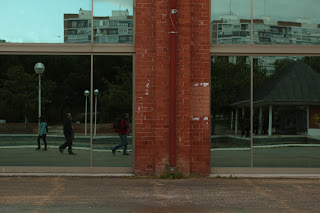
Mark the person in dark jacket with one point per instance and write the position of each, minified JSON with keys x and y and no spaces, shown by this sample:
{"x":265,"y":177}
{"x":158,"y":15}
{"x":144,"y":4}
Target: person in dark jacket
{"x":247,"y":126}
{"x":68,"y":134}
{"x":242,"y":125}
{"x":123,"y":132}
{"x":42,"y":133}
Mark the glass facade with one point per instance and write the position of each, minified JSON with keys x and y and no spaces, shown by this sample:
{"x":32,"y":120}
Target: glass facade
{"x":113,"y":26}
{"x":67,"y":76}
{"x":66,"y":22}
{"x":113,"y":97}
{"x":286,"y":112}
{"x":63,"y":84}
{"x":45,"y":21}
{"x":275,"y":22}
{"x":230,"y":116}
{"x":286,"y":22}
{"x":285,"y":120}
{"x":230,"y":22}
{"x":284,"y":96}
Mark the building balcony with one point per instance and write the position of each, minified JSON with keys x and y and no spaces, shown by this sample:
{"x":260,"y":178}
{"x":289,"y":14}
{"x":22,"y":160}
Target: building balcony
{"x":78,"y":37}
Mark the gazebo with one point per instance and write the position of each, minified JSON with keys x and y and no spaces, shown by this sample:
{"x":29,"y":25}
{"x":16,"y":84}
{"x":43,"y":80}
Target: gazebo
{"x":295,"y":86}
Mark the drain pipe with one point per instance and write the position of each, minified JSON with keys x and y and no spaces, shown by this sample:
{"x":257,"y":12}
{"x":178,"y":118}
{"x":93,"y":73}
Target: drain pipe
{"x":172,"y":125}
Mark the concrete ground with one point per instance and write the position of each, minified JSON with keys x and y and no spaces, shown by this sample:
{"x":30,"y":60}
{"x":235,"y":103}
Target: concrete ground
{"x":144,"y":195}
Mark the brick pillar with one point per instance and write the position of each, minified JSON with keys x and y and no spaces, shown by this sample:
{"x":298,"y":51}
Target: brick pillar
{"x":183,"y":85}
{"x":162,"y":85}
{"x":200,"y":86}
{"x":145,"y":66}
{"x":152,"y":86}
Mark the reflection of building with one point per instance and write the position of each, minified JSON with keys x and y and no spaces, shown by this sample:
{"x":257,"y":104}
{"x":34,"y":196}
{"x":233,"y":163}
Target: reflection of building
{"x":267,"y":62}
{"x":117,"y":28}
{"x":229,"y":29}
{"x":77,"y":27}
{"x":291,"y":95}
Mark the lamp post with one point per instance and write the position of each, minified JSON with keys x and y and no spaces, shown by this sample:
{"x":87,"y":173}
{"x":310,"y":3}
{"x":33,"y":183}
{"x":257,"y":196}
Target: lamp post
{"x":86,"y":93}
{"x":96,"y":92}
{"x":39,"y":69}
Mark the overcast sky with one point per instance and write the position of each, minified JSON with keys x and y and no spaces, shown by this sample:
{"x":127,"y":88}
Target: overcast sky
{"x":41,"y":21}
{"x":286,"y":10}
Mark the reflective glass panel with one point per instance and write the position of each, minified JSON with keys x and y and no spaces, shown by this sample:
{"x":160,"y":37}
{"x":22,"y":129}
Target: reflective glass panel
{"x":113,"y":21}
{"x":286,"y":112}
{"x":230,"y":111}
{"x":43,"y":21}
{"x":112,"y":99}
{"x":230,"y":21}
{"x":286,"y":22}
{"x":63,"y":81}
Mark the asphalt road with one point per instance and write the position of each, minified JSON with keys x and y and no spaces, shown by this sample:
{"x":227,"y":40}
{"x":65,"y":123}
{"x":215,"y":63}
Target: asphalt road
{"x":106,"y":194}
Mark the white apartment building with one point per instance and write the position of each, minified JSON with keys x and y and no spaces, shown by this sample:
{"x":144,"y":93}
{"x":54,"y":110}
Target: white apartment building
{"x":230,"y":29}
{"x":117,"y":28}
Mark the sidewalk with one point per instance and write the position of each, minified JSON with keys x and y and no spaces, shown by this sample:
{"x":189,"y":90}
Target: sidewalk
{"x":146,"y":195}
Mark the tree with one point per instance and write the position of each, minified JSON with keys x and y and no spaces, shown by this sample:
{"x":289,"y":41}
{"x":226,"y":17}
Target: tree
{"x":314,"y":62}
{"x":228,"y":81}
{"x":116,"y":98}
{"x":19,"y":93}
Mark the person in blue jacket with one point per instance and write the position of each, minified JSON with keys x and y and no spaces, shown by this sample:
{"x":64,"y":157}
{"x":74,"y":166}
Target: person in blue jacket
{"x":43,"y":128}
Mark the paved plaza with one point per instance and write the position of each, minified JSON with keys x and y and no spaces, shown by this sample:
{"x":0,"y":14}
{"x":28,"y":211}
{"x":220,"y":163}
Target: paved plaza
{"x":305,"y":157}
{"x":148,"y":195}
{"x":19,"y":150}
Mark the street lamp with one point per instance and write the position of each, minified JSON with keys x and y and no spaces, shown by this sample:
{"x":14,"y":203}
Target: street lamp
{"x":96,"y":92}
{"x":39,"y":69}
{"x":86,"y":93}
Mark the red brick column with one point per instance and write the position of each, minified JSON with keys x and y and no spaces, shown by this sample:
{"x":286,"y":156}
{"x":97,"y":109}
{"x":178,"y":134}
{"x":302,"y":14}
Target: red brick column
{"x":152,"y":86}
{"x":200,"y":86}
{"x":162,"y":85}
{"x":145,"y":108}
{"x":183,"y":85}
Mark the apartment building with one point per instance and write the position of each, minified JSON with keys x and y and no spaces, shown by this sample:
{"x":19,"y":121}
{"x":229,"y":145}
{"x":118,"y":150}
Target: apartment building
{"x":117,"y":28}
{"x":230,"y":29}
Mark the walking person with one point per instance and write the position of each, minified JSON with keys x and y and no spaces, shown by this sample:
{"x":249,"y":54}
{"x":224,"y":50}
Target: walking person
{"x":68,"y":134}
{"x":43,"y":129}
{"x":277,"y":125}
{"x":123,"y":132}
{"x":247,"y":126}
{"x":242,"y":125}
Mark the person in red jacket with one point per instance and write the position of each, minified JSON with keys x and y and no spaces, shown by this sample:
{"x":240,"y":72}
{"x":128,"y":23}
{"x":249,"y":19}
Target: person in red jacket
{"x":123,"y":132}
